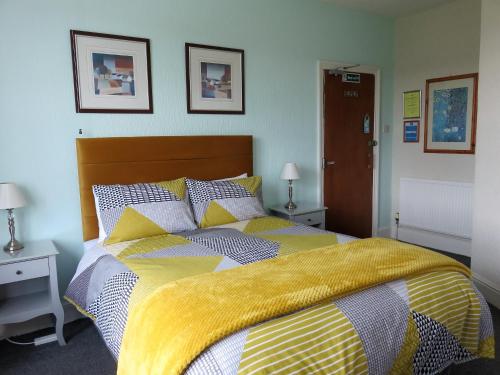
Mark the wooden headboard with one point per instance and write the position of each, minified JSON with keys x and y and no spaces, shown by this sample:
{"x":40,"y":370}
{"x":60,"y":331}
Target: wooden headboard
{"x":152,"y":159}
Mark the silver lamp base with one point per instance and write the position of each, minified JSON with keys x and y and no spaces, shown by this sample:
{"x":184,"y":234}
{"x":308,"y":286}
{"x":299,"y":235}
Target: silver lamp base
{"x":290,"y":206}
{"x":13,"y":245}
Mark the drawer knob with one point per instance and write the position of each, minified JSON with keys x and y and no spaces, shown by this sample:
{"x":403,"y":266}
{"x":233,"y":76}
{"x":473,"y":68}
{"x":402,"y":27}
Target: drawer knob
{"x":19,"y":272}
{"x":308,"y":219}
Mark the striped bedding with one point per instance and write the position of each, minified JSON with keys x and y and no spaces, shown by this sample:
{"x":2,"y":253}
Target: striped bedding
{"x":417,"y":325}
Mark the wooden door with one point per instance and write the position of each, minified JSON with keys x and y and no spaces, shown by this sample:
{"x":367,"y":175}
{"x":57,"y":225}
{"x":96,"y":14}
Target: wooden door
{"x":348,"y":154}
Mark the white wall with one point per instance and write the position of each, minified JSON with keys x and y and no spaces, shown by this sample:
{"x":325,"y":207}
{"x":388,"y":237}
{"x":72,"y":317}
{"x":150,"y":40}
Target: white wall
{"x":486,"y":221}
{"x":440,"y":42}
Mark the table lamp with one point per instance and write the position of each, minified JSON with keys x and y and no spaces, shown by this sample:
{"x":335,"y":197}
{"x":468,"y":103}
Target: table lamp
{"x":290,"y":172}
{"x":11,"y":197}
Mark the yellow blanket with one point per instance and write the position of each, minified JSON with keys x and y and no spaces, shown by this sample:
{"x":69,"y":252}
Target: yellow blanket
{"x":177,"y":322}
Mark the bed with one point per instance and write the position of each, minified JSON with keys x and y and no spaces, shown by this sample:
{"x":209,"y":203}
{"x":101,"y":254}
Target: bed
{"x":262,"y":295}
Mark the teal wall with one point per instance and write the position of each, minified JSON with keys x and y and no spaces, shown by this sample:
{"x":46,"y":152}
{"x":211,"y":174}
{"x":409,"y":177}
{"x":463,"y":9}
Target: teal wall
{"x":282,"y":39}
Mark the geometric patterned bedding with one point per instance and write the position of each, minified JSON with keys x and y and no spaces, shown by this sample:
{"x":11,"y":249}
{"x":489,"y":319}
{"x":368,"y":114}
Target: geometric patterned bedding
{"x":129,"y":212}
{"x":418,"y":325}
{"x":222,"y":202}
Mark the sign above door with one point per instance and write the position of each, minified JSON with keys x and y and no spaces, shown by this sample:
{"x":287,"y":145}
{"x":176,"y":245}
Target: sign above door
{"x":351,"y":77}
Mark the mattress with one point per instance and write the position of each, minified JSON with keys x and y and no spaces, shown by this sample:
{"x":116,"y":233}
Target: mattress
{"x":418,"y":325}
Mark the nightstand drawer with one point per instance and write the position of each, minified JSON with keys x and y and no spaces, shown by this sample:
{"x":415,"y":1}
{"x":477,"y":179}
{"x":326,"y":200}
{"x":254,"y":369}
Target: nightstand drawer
{"x":314,"y":218}
{"x":19,"y":271}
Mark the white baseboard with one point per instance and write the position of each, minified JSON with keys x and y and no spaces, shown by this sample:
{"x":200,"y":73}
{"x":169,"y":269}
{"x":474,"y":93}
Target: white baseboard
{"x":384,"y":232}
{"x":41,"y":322}
{"x":490,"y":292}
{"x":434,"y":240}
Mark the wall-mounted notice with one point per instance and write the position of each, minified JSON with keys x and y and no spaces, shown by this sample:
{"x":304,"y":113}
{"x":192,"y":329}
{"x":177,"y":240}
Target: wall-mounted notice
{"x":411,"y":131}
{"x":411,"y":104}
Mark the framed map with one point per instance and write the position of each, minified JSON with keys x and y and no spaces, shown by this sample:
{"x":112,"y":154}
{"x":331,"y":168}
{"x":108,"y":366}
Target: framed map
{"x":450,"y":114}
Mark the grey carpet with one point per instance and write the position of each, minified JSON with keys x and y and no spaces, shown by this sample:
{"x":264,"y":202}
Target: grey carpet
{"x":86,"y":353}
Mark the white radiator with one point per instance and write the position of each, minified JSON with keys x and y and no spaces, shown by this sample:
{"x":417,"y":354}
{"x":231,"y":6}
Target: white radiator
{"x":436,"y":206}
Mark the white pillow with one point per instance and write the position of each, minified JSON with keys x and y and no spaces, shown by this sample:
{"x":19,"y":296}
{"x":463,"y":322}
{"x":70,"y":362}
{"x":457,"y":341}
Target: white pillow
{"x":244,"y":175}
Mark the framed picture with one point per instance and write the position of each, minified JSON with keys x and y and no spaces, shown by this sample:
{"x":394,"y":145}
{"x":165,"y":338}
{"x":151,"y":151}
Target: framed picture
{"x":412,"y":104}
{"x":450,"y":115}
{"x":111,"y":73}
{"x":411,"y":131}
{"x":215,"y":80}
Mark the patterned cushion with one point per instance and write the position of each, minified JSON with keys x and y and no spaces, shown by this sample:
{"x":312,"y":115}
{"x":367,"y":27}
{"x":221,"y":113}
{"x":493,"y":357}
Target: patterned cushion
{"x":128,"y":212}
{"x":224,"y":202}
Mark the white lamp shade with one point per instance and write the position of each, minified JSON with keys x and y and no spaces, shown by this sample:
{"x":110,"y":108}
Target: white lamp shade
{"x":11,"y":196}
{"x":290,"y":172}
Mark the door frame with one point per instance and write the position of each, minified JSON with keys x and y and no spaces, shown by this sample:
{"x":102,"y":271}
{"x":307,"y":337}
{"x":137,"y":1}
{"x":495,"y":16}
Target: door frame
{"x":371,"y":69}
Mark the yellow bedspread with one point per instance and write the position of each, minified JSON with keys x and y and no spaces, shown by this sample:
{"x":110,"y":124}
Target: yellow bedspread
{"x":165,"y":332}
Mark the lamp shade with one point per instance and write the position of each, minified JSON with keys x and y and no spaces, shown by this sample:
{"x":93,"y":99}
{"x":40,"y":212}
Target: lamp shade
{"x":11,"y":196}
{"x":290,"y":172}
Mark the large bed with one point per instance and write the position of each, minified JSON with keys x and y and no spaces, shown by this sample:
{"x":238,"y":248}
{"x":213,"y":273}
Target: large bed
{"x":262,"y":295}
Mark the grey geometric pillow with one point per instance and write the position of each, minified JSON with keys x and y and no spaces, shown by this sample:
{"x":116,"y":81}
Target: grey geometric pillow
{"x":127,"y":212}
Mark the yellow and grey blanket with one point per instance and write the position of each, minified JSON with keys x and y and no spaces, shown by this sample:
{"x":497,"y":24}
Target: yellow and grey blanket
{"x":371,"y":306}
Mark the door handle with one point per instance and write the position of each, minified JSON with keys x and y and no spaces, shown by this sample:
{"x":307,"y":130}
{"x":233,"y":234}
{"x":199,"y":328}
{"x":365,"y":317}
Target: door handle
{"x":372,"y":143}
{"x":326,"y":163}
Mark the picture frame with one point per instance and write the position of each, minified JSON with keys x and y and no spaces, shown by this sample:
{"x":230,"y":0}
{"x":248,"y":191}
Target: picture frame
{"x":215,"y":80}
{"x":411,"y":131}
{"x":111,"y":73}
{"x":451,"y":114}
{"x":412,"y":104}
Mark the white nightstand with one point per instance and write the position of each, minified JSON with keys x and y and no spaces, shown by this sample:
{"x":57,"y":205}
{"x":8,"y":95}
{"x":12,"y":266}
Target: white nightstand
{"x":21,"y":296}
{"x":305,"y":214}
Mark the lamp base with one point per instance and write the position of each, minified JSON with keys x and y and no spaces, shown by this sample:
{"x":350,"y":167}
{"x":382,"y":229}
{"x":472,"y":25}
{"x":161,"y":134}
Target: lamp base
{"x":290,"y":206}
{"x":13,"y":245}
